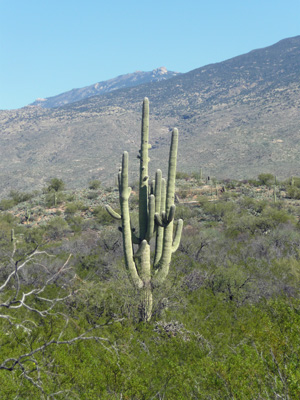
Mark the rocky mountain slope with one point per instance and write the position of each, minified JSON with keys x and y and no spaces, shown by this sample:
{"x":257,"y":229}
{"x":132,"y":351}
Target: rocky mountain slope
{"x":236,"y":118}
{"x":122,"y":81}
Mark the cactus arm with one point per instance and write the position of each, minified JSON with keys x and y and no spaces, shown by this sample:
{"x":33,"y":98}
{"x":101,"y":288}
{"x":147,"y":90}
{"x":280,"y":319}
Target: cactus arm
{"x":157,"y":190}
{"x":151,"y":221}
{"x":170,"y":200}
{"x":177,"y":237}
{"x":113,"y":213}
{"x":158,"y":220}
{"x":144,"y":159}
{"x":141,"y":249}
{"x":164,"y":263}
{"x":126,"y":228}
{"x":152,"y":187}
{"x":163,"y":195}
{"x":171,"y":213}
{"x":162,"y":220}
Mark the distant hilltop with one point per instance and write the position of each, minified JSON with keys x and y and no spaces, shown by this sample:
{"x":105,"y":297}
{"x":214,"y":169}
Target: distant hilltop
{"x":99,"y":88}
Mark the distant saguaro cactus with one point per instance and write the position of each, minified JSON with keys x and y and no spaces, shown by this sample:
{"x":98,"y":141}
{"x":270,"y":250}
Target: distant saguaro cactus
{"x":156,"y":219}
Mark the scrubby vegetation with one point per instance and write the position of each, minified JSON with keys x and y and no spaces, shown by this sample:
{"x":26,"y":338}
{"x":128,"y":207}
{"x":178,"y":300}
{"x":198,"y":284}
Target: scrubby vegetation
{"x":225,"y":323}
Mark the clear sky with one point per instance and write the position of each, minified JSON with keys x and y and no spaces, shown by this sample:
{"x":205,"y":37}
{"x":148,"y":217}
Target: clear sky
{"x":50,"y":46}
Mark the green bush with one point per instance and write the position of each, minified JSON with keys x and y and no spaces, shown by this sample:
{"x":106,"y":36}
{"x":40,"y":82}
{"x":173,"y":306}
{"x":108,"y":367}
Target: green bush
{"x":293,"y":192}
{"x":254,"y":182}
{"x":75,"y":222}
{"x":81,"y":206}
{"x":266,"y":179}
{"x":71,"y":208}
{"x":56,"y":184}
{"x":294,"y":181}
{"x":92,"y":195}
{"x":20,"y":197}
{"x":54,"y":198}
{"x":6,"y":204}
{"x":254,"y":206}
{"x":218,"y":209}
{"x":182,"y":175}
{"x":57,"y":228}
{"x":94,"y":184}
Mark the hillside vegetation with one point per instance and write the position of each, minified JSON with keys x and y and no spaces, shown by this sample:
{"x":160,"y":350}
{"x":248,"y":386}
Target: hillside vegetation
{"x":225,"y":324}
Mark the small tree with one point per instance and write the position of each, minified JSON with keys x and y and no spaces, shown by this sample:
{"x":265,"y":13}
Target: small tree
{"x":266,"y":179}
{"x":94,"y":184}
{"x":56,"y":185}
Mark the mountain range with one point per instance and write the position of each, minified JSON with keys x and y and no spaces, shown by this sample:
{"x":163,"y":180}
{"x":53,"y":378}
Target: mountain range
{"x":236,"y":119}
{"x":122,"y":81}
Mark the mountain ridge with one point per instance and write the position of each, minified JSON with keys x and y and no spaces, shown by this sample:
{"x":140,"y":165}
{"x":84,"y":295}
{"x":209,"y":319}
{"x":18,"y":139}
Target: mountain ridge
{"x":99,"y":88}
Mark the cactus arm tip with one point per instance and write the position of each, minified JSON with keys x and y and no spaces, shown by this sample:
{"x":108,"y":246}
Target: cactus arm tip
{"x":177,"y":237}
{"x":141,"y":248}
{"x":158,"y":220}
{"x":113,"y":213}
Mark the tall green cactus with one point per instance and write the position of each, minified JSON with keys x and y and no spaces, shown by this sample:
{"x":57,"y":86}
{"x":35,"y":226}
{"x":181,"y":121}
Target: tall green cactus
{"x":156,"y":219}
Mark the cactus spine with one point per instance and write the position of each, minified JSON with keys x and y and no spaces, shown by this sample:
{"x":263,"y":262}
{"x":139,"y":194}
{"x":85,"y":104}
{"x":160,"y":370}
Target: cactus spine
{"x":156,"y":219}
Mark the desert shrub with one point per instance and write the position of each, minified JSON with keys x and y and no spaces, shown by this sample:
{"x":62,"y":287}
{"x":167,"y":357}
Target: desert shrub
{"x":242,"y":223}
{"x":81,"y":206}
{"x":250,"y":224}
{"x":56,"y":184}
{"x":230,"y":184}
{"x":218,"y":209}
{"x":16,"y":197}
{"x":7,"y":218}
{"x":70,"y":196}
{"x":71,"y":208}
{"x":183,"y":192}
{"x":75,"y":222}
{"x":196,"y":176}
{"x":185,"y":212}
{"x":254,"y":182}
{"x":229,"y":196}
{"x":231,"y":284}
{"x":54,"y":198}
{"x":6,"y":204}
{"x":20,"y":197}
{"x":57,"y":228}
{"x":254,"y":206}
{"x":92,"y":195}
{"x":266,"y":179}
{"x":182,"y":175}
{"x":293,"y":181}
{"x":94,"y":184}
{"x":293,"y":192}
{"x":276,"y":217}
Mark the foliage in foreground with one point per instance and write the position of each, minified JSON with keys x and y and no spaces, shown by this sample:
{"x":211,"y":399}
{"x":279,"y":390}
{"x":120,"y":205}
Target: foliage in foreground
{"x":225,"y":325}
{"x":218,"y":351}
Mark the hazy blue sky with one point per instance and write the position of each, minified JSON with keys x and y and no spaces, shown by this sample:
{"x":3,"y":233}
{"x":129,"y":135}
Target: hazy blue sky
{"x":50,"y":46}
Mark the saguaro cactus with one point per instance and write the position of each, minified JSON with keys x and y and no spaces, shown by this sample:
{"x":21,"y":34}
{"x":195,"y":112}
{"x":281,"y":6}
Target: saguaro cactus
{"x":156,"y":219}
